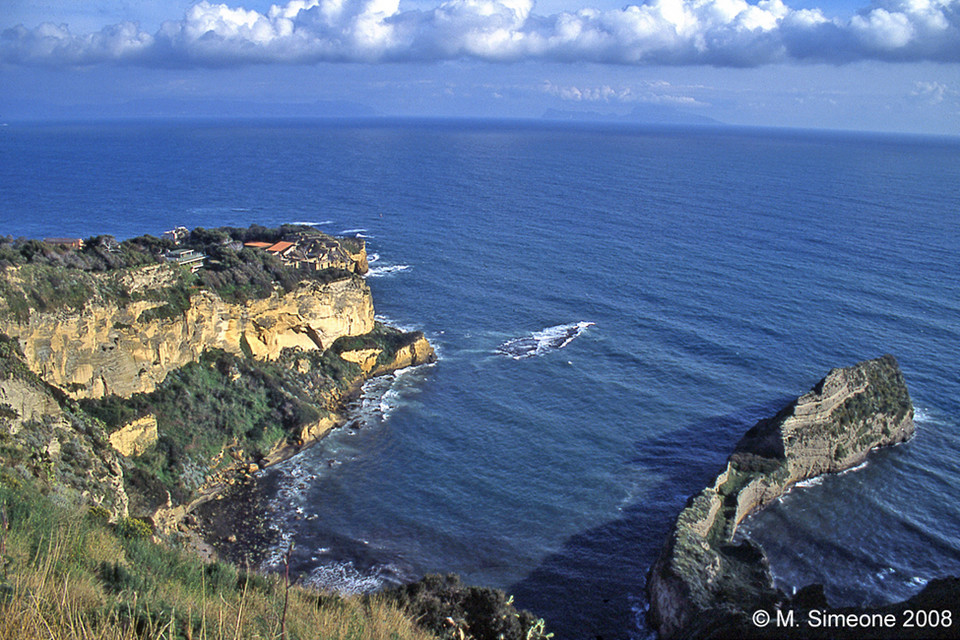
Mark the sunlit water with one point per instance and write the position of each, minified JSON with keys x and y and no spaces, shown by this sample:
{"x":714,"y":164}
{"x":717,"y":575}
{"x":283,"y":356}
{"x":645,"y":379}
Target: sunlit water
{"x":612,"y":307}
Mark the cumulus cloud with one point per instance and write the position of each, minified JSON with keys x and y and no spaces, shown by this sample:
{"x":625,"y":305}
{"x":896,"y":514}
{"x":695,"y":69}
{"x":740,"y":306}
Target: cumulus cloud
{"x":660,"y":32}
{"x":659,"y":92}
{"x":933,"y":92}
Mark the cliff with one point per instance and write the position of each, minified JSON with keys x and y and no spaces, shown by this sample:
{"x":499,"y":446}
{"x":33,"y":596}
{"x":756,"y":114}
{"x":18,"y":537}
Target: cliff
{"x":44,"y":434}
{"x":115,"y":347}
{"x":701,"y":581}
{"x":146,"y":386}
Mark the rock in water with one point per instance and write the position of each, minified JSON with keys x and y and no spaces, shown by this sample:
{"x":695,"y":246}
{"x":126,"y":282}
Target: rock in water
{"x":702,"y":582}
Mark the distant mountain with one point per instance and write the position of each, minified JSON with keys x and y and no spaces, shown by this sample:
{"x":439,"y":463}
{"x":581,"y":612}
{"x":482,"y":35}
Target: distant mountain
{"x":189,"y":108}
{"x":642,"y":113}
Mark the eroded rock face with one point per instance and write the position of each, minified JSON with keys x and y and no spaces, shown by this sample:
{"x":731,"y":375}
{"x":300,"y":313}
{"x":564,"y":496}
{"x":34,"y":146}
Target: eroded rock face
{"x":419,"y":351}
{"x":701,"y":579}
{"x":28,"y":402}
{"x":133,"y":438}
{"x":106,"y":348}
{"x":64,"y":447}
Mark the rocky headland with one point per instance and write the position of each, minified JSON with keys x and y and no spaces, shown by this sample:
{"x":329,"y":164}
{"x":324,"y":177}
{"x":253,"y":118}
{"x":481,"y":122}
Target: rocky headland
{"x":141,"y":379}
{"x":704,"y":585}
{"x":138,"y":383}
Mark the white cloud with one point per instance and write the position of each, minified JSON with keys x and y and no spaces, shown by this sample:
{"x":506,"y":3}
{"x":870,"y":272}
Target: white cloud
{"x":932,"y":92}
{"x":662,"y":32}
{"x":657,"y":92}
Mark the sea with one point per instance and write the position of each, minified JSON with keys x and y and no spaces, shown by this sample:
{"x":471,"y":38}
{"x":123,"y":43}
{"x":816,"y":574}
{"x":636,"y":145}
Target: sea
{"x":612,"y":306}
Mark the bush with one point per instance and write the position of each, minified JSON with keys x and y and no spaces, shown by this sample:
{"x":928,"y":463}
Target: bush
{"x":446,"y":607}
{"x":134,"y":528}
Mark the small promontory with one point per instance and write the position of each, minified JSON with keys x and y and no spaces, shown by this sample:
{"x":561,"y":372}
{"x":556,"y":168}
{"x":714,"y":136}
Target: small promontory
{"x":144,"y":375}
{"x":702,"y":582}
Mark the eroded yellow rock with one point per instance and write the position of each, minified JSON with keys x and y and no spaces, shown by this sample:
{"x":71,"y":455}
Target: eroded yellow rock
{"x":133,"y":438}
{"x":365,"y":358}
{"x":105,"y":349}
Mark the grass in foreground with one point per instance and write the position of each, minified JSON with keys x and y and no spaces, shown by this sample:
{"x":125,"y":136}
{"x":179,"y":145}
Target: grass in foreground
{"x":65,"y":573}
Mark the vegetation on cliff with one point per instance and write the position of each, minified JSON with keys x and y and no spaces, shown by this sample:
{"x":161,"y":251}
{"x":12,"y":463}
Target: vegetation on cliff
{"x":67,"y":573}
{"x":445,"y":606}
{"x":222,"y":411}
{"x":703,"y":581}
{"x":45,"y":435}
{"x":47,"y":276}
{"x":73,"y":562}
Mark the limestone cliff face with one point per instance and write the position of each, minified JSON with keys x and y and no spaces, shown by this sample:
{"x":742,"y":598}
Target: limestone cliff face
{"x":135,"y":437}
{"x":418,"y":351}
{"x":56,"y":443}
{"x":701,"y":579}
{"x":360,"y":263}
{"x":108,"y":349}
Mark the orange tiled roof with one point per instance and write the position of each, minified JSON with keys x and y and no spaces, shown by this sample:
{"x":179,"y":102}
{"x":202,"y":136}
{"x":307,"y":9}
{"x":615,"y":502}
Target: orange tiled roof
{"x":280,"y":247}
{"x":257,"y":245}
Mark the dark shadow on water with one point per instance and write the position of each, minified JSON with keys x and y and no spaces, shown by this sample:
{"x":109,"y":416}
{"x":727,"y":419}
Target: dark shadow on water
{"x":593,"y":587}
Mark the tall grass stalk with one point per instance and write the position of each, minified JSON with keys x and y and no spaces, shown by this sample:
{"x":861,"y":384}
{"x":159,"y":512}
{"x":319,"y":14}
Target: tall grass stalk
{"x":72,"y":577}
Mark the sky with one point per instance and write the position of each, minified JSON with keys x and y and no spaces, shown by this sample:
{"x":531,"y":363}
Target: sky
{"x":877,"y":65}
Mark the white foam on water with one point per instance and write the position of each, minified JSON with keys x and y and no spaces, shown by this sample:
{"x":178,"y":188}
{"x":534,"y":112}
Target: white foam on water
{"x":925,"y":415}
{"x":345,"y":578}
{"x":274,"y":556}
{"x":811,"y":482}
{"x":380,"y":397}
{"x":396,"y":325}
{"x":351,"y":232}
{"x":386,"y":270}
{"x":542,"y":342}
{"x":311,"y":224}
{"x":373,"y":257}
{"x":862,"y":465}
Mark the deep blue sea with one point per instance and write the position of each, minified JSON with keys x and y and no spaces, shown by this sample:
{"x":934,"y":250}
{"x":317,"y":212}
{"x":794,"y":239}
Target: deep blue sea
{"x":613,"y":307}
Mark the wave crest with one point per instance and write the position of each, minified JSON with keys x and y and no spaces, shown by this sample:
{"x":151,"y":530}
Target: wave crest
{"x":542,"y":342}
{"x":386,"y":270}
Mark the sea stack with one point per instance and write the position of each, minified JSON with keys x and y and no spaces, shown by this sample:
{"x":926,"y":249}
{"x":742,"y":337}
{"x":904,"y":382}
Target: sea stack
{"x":702,"y":582}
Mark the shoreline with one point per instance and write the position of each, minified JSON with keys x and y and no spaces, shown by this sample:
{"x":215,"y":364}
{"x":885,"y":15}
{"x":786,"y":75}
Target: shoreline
{"x":226,"y":521}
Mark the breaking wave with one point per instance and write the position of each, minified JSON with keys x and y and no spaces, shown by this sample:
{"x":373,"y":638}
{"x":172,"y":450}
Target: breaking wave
{"x":542,"y":342}
{"x":345,"y":578}
{"x":386,"y":270}
{"x":382,"y":395}
{"x":810,"y":482}
{"x":311,"y":224}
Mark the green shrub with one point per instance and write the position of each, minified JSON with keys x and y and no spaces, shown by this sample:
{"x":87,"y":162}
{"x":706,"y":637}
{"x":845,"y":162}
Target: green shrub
{"x":446,"y":607}
{"x":134,"y":528}
{"x":98,"y":513}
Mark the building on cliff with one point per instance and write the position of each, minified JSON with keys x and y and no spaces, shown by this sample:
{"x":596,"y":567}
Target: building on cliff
{"x":186,"y":258}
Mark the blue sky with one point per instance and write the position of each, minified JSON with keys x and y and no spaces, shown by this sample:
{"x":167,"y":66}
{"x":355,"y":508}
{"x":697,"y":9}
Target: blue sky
{"x":885,"y":65}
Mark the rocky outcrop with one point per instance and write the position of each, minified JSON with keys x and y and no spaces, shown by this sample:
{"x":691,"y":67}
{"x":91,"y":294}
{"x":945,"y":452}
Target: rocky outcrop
{"x":360,"y":264}
{"x":43,"y":434}
{"x":110,"y":348}
{"x":701,"y":581}
{"x":370,"y":360}
{"x":418,"y":351}
{"x":26,"y":403}
{"x":135,"y":437}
